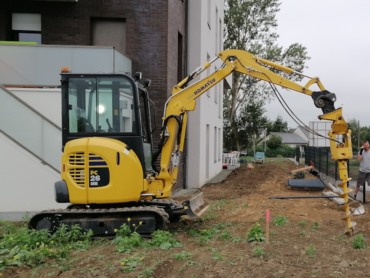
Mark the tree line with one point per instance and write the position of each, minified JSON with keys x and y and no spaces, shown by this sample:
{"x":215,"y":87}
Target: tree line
{"x":250,"y":25}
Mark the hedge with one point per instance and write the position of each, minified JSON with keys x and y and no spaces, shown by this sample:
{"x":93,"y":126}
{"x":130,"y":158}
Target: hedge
{"x":283,"y":150}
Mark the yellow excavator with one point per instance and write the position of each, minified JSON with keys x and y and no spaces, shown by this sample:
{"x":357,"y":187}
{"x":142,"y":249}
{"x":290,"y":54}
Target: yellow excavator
{"x":109,"y":171}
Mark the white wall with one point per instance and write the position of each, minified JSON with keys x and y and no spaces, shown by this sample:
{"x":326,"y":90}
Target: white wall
{"x":202,"y":43}
{"x":46,"y":101}
{"x":26,"y":184}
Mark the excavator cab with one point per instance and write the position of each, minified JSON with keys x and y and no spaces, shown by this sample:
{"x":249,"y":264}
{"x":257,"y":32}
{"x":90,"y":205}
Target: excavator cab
{"x":110,"y":106}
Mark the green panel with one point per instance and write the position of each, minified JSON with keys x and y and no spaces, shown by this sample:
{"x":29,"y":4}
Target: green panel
{"x":15,"y":42}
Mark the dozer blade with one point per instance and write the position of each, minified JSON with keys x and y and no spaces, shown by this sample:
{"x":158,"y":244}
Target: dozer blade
{"x":196,"y":206}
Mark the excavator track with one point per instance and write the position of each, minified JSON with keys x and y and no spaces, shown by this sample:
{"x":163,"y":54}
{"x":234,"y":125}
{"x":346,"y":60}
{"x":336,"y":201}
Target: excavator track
{"x":144,"y":217}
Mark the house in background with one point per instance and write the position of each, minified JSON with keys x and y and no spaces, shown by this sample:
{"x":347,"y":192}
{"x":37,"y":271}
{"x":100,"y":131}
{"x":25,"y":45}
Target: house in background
{"x":302,"y":132}
{"x":290,"y":139}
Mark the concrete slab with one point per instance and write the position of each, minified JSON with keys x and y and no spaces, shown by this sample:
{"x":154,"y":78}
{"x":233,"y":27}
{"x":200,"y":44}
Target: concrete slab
{"x":339,"y":201}
{"x":220,"y":177}
{"x":185,"y":192}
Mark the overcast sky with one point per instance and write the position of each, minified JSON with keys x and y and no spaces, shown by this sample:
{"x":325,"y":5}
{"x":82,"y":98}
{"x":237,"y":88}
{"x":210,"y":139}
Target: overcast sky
{"x":337,"y":36}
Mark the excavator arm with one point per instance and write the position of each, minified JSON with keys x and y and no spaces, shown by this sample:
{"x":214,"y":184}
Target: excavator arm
{"x":183,"y":98}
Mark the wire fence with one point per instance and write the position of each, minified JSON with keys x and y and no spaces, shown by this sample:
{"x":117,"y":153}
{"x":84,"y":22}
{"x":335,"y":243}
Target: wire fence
{"x":321,"y":159}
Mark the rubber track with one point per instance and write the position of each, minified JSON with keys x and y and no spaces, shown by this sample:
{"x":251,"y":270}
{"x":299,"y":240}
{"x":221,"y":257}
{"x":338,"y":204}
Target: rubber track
{"x":70,"y":212}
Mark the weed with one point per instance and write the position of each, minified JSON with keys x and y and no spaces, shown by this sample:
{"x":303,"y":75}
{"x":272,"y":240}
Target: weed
{"x":273,"y":233}
{"x":193,"y":276}
{"x":130,"y":263}
{"x":338,"y":272}
{"x":315,"y":226}
{"x":217,"y":257}
{"x":212,"y":249}
{"x":245,"y":206}
{"x":225,"y":235}
{"x":284,"y":240}
{"x":183,"y":255}
{"x":210,"y":214}
{"x":314,"y":271}
{"x":340,"y":237}
{"x":303,"y":233}
{"x":256,"y":233}
{"x":232,"y":208}
{"x":99,"y":256}
{"x":311,"y":251}
{"x":237,"y":239}
{"x":231,"y":262}
{"x":146,"y":273}
{"x":189,"y":263}
{"x":302,"y":224}
{"x":262,"y":219}
{"x":359,"y":242}
{"x":258,"y":251}
{"x":281,"y":220}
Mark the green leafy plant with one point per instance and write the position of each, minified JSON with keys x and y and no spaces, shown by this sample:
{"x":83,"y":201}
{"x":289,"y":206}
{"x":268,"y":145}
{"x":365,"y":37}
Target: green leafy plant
{"x":258,"y":251}
{"x":183,"y":255}
{"x":217,"y":257}
{"x":225,"y":235}
{"x":147,"y":272}
{"x":256,"y":233}
{"x":130,"y":263}
{"x":315,"y":226}
{"x":359,"y":242}
{"x":189,"y":263}
{"x":311,"y":251}
{"x":302,"y":224}
{"x":303,"y":233}
{"x":281,"y":220}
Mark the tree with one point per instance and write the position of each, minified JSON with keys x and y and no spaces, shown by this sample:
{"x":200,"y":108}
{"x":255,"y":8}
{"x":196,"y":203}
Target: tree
{"x":279,"y":125}
{"x":250,"y":120}
{"x":364,"y":133}
{"x":249,"y":25}
{"x":274,"y":142}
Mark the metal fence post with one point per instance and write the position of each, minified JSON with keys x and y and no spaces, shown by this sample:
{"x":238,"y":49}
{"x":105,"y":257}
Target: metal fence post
{"x":327,"y":161}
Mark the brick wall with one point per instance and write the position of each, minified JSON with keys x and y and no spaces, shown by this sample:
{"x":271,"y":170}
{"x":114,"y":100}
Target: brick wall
{"x":152,"y":28}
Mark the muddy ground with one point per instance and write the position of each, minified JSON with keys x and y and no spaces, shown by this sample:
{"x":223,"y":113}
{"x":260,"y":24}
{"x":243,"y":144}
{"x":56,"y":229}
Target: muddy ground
{"x":315,"y":249}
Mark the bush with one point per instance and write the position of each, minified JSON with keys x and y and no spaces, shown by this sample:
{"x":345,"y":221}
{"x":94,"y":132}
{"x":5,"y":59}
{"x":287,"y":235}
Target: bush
{"x":274,"y":142}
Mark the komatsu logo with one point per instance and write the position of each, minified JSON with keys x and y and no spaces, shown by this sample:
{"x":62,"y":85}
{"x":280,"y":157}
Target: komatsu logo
{"x":209,"y":83}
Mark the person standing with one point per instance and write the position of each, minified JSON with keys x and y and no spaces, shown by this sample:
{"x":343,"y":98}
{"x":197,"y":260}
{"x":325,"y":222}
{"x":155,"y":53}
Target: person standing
{"x":364,"y":175}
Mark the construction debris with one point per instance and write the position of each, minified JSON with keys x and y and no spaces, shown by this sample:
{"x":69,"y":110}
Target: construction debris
{"x":334,"y":197}
{"x":317,"y":184}
{"x":358,"y":211}
{"x":301,"y":169}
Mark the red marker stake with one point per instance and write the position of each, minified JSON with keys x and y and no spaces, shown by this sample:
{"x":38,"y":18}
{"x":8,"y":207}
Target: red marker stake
{"x":267,"y":226}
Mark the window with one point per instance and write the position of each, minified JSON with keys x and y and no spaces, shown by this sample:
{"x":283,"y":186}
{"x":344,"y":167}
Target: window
{"x":101,"y":105}
{"x":109,"y":32}
{"x":216,"y":89}
{"x":219,"y":144}
{"x":208,"y":73}
{"x":215,"y":145}
{"x":179,"y":58}
{"x":220,"y":102}
{"x":216,"y":33}
{"x":220,"y":37}
{"x":26,"y":27}
{"x":209,"y":14}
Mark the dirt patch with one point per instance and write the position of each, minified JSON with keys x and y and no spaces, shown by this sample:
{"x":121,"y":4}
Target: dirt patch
{"x":310,"y":244}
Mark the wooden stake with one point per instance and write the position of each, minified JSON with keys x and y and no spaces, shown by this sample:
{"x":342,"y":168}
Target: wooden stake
{"x":267,"y":226}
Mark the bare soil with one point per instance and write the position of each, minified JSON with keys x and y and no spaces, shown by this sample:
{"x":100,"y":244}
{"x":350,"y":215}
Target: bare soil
{"x":241,"y":200}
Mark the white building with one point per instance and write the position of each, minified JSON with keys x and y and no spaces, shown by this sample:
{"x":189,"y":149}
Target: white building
{"x":205,"y":128}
